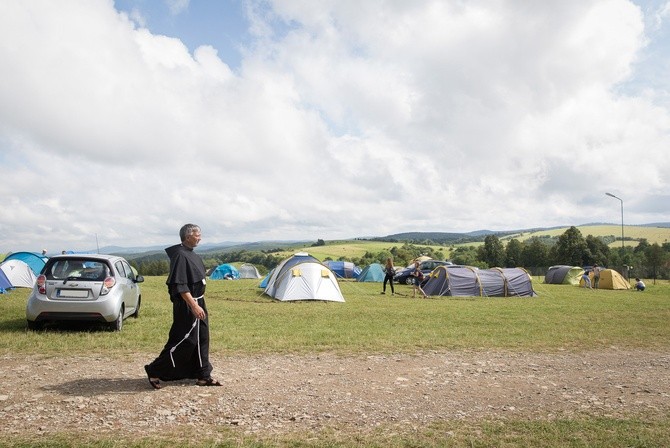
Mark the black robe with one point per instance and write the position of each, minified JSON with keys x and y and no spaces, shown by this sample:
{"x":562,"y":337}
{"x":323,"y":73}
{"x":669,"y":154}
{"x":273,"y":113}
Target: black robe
{"x":186,"y":353}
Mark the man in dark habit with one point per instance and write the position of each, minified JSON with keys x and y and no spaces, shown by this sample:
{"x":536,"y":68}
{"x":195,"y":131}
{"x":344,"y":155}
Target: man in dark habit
{"x":186,"y":353}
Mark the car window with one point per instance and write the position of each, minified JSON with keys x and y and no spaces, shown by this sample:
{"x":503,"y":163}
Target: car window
{"x":129,"y":271}
{"x":120,"y":268}
{"x":77,"y":268}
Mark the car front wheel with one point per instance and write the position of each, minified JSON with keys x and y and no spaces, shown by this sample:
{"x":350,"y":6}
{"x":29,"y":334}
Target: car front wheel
{"x":136,"y":314}
{"x":409,"y":280}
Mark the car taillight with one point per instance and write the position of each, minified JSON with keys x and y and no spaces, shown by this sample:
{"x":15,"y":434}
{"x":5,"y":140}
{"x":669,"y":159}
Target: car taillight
{"x":41,"y":283}
{"x":107,"y":285}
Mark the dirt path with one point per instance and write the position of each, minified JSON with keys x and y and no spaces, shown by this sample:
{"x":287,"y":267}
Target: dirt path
{"x":281,"y":394}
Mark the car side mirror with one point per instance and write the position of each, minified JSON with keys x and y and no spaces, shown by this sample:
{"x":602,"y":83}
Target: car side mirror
{"x":139,"y":279}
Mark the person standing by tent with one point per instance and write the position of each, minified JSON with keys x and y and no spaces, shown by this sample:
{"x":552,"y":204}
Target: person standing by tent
{"x":418,"y":278}
{"x":186,"y":353}
{"x":389,"y":272}
{"x":586,"y":279}
{"x":596,"y":276}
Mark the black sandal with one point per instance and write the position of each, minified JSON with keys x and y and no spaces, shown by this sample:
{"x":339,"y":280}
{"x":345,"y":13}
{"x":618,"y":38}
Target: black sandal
{"x":155,"y":382}
{"x":208,"y":382}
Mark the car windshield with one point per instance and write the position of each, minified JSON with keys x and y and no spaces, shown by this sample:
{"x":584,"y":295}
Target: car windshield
{"x":77,"y":268}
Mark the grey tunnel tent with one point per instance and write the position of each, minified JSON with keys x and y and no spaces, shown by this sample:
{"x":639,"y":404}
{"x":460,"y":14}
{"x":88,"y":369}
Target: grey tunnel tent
{"x":471,"y":281}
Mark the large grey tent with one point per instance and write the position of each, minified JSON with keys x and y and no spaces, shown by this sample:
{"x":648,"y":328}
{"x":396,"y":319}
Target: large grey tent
{"x":248,"y":270}
{"x":471,"y":281}
{"x":563,"y":275}
{"x":303,"y":277}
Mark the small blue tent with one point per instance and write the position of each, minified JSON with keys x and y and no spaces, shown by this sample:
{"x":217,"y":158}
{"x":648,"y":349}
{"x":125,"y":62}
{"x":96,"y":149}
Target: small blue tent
{"x":35,"y":261}
{"x":5,"y":284}
{"x":225,"y":272}
{"x":264,"y":282}
{"x":343,"y":269}
{"x":372,"y":273}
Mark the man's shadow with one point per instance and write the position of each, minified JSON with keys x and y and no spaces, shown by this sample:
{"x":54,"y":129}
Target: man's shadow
{"x":91,"y":387}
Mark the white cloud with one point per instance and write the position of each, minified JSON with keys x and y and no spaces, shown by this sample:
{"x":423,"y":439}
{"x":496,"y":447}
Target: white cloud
{"x":344,"y":119}
{"x":176,"y":7}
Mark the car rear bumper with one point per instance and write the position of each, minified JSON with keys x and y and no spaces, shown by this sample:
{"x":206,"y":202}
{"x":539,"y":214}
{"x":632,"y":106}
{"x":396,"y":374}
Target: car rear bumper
{"x":43,"y":309}
{"x":69,"y":316}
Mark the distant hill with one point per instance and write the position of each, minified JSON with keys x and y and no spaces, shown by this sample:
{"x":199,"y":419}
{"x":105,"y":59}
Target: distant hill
{"x":653,"y":232}
{"x":445,"y":237}
{"x":152,"y":253}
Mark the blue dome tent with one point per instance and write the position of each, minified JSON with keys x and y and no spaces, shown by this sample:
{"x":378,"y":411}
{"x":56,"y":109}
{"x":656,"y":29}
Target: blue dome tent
{"x":372,"y":273}
{"x":343,"y":269}
{"x":225,"y":272}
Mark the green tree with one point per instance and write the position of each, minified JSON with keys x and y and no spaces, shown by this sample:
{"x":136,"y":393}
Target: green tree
{"x":492,"y":252}
{"x":656,"y":257}
{"x":465,"y":255}
{"x":599,"y":251}
{"x":535,"y":253}
{"x":513,"y":253}
{"x":571,"y":248}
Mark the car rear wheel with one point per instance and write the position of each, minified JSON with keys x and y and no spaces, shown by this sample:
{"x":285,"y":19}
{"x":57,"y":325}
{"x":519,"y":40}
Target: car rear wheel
{"x":409,"y":280}
{"x":32,"y":325}
{"x":117,"y":324}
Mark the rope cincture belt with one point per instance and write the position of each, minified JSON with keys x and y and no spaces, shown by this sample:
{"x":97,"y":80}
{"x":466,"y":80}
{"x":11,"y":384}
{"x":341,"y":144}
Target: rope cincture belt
{"x":197,"y":327}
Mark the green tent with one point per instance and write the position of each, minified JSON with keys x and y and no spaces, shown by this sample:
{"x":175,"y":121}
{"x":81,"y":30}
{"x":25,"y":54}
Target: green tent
{"x":564,"y":275}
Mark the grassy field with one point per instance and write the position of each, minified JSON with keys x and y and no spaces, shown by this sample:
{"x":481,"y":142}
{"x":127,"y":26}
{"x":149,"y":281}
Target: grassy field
{"x":356,"y":248}
{"x":244,"y":321}
{"x":657,"y":235}
{"x":351,"y":249}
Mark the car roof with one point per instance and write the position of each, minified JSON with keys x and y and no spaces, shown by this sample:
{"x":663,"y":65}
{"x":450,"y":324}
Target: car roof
{"x":110,"y":258}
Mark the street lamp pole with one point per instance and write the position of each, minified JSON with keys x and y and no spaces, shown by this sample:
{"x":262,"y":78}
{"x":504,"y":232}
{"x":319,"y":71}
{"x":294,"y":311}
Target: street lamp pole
{"x":620,"y":200}
{"x":623,"y":267}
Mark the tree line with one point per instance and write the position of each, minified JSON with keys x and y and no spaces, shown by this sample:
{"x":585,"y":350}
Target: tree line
{"x":535,"y":254}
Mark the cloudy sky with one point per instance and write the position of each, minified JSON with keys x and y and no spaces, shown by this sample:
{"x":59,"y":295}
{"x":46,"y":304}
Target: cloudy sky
{"x":290,"y":119}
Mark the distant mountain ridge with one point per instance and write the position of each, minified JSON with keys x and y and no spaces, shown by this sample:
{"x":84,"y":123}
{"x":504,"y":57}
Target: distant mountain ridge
{"x":452,"y":237}
{"x":158,"y":252}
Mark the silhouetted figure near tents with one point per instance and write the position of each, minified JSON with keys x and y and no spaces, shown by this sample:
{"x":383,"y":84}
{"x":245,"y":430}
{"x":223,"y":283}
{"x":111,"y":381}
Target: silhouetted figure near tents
{"x":596,"y":276}
{"x":389,"y":272}
{"x":418,"y":278}
{"x":586,"y":279}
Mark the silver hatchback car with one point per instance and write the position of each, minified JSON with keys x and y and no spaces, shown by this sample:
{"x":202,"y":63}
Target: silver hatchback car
{"x":85,"y":287}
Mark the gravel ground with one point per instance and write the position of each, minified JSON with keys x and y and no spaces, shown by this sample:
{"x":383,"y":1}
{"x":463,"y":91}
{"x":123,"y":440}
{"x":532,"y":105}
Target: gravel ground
{"x":278,"y":394}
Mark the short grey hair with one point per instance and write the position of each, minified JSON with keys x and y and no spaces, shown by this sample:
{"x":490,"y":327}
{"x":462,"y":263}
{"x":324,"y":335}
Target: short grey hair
{"x":187,"y":230}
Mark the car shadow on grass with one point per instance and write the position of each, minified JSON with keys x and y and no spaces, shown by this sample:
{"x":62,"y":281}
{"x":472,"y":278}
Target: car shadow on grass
{"x":71,"y":327}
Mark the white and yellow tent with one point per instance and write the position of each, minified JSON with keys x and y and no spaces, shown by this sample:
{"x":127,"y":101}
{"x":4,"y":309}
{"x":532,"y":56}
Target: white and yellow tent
{"x":303,"y":277}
